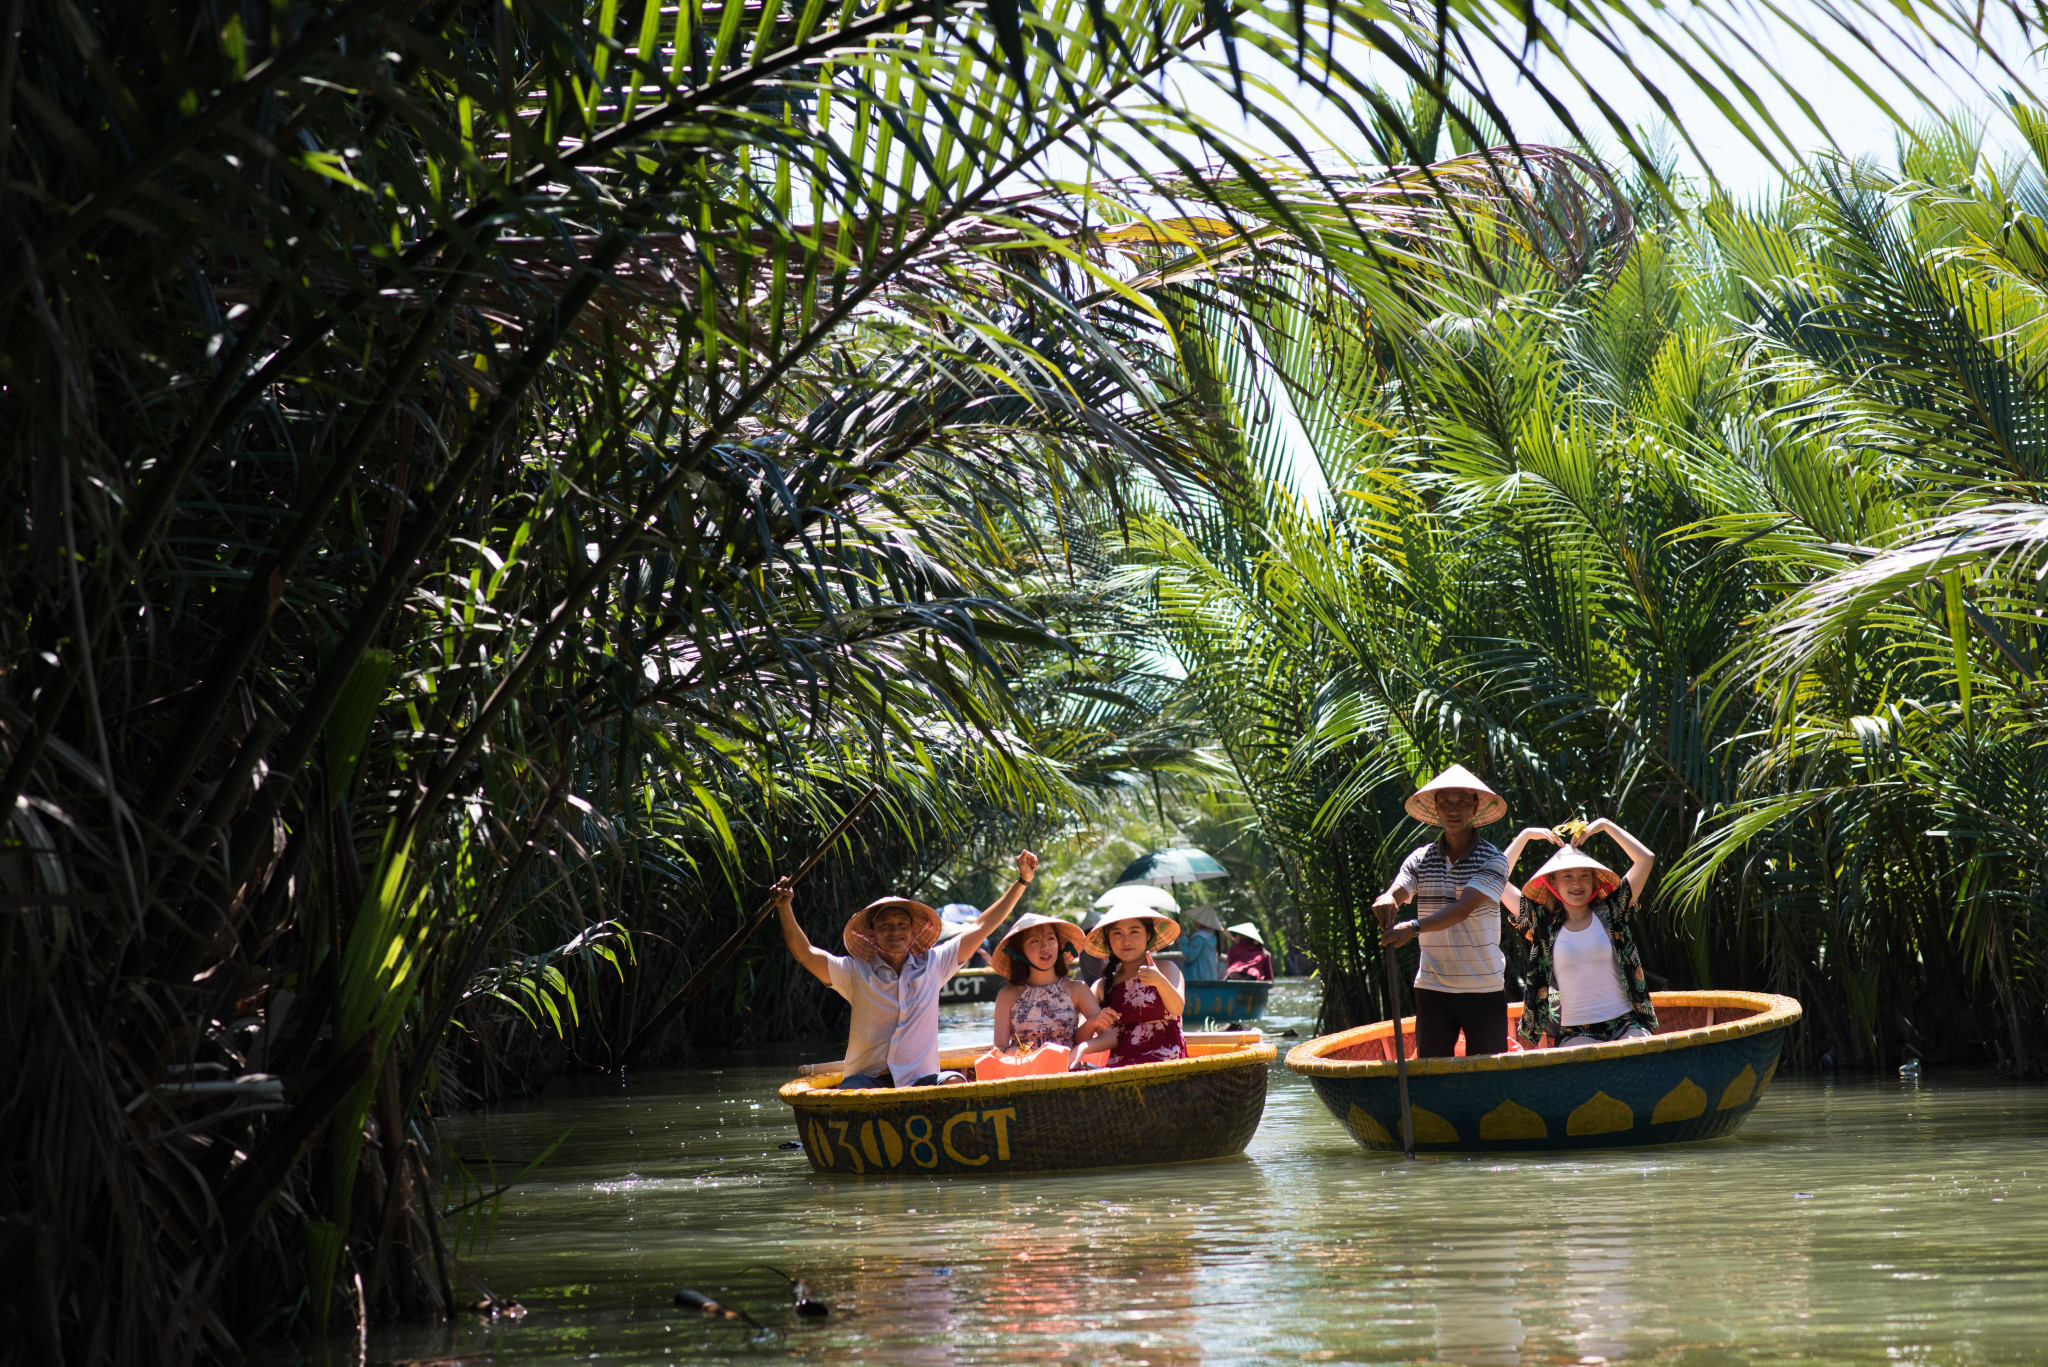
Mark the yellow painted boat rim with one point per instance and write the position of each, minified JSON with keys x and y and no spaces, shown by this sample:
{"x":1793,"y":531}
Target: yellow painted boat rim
{"x":820,"y":1093}
{"x":1773,"y":1012}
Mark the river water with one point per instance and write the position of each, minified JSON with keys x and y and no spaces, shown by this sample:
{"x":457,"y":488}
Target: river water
{"x":1848,"y":1221}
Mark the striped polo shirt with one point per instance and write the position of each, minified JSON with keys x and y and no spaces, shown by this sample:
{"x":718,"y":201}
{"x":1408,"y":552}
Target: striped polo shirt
{"x":1465,"y":957}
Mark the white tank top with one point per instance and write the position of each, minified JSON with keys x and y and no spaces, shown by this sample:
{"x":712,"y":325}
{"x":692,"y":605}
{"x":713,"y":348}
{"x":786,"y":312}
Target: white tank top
{"x":1588,"y":983}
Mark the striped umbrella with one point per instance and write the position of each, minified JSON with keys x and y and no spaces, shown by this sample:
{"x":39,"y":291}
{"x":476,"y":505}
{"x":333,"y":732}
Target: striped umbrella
{"x":1164,"y":868}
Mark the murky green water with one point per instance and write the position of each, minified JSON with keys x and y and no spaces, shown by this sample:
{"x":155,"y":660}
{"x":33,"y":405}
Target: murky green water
{"x":1857,"y":1221}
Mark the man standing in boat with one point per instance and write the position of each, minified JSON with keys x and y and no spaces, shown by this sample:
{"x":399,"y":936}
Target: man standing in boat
{"x":1455,"y":882}
{"x":891,"y":974}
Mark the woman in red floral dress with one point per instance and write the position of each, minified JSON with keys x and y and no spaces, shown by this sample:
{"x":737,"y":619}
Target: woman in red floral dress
{"x":1142,"y":998}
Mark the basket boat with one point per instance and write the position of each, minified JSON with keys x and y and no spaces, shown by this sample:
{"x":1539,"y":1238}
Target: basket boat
{"x":1204,"y":1106}
{"x":971,"y":985}
{"x":1698,"y":1077}
{"x":1230,"y":1001}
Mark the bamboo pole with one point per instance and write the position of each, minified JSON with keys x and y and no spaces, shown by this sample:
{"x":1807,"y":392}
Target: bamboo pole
{"x":725,"y":952}
{"x":1400,"y":1049}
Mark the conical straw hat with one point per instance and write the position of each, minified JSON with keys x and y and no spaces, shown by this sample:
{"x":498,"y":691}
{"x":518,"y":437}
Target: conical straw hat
{"x":1069,"y":933}
{"x":926,"y":927}
{"x":1492,"y":806}
{"x":1246,"y":930}
{"x":1605,"y":880}
{"x":1165,"y":930}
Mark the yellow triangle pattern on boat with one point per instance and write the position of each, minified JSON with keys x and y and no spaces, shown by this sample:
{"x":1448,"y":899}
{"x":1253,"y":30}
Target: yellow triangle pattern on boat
{"x":1602,"y":1114}
{"x":1683,"y":1102}
{"x":1510,"y":1121}
{"x":1739,"y":1090}
{"x":1370,"y":1132}
{"x":1431,"y":1128}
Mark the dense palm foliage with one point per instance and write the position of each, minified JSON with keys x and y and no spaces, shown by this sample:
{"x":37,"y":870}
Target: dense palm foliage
{"x":1735,"y":536}
{"x":485,"y":483}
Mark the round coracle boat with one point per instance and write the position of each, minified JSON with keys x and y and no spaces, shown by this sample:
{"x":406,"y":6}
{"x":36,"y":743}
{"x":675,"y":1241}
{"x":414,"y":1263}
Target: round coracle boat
{"x":1204,"y":1106}
{"x":1698,"y":1077}
{"x":1229,"y":1001}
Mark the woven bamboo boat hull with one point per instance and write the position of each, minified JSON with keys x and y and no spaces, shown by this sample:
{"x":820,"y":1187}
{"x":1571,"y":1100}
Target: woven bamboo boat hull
{"x":1698,"y":1078}
{"x":1206,"y":1106}
{"x":1231,"y":1001}
{"x":971,"y":985}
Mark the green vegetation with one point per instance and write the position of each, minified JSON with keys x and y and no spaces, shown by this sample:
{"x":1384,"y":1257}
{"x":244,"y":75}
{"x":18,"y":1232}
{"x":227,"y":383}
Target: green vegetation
{"x":1737,"y":537}
{"x":485,"y":484}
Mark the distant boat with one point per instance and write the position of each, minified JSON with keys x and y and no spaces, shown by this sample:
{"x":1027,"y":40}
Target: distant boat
{"x":1144,"y":1115}
{"x":1699,"y":1077}
{"x":1231,"y":1001}
{"x":971,"y":985}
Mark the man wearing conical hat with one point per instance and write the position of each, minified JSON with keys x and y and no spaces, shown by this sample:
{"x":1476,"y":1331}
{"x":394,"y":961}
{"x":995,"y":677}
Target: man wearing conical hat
{"x":1455,"y":882}
{"x":894,"y":965}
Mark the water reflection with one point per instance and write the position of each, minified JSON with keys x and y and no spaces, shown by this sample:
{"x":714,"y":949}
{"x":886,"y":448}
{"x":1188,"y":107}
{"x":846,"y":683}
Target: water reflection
{"x":1855,"y":1223}
{"x":1475,"y":1295}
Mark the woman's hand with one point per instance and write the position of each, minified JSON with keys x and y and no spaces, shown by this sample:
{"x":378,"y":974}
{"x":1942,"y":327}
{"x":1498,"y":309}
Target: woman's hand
{"x":1152,"y":977}
{"x":1593,"y":828}
{"x":1528,"y":833}
{"x":1100,"y":1021}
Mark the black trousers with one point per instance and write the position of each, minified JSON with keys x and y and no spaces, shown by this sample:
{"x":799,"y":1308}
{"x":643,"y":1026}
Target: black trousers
{"x":1440,"y":1016}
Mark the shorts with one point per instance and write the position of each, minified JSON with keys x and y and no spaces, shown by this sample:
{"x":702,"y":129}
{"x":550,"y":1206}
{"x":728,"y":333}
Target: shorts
{"x":885,"y":1080}
{"x":1440,"y":1017}
{"x":1602,"y":1032}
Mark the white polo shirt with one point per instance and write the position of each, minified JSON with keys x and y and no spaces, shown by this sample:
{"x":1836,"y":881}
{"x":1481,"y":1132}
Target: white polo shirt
{"x":895,"y":1015}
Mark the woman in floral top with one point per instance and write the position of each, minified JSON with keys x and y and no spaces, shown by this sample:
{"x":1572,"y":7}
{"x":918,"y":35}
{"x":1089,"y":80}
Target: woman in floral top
{"x":1586,"y":984}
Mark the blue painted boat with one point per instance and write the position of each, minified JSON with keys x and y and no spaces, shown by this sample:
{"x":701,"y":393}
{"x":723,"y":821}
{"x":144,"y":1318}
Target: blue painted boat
{"x":1228,"y":1002}
{"x":1699,"y":1077}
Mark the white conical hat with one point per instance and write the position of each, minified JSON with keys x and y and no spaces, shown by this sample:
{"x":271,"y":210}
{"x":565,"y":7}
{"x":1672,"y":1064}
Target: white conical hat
{"x":1068,"y":932}
{"x":1165,"y":930}
{"x":1492,"y":806}
{"x":1605,"y":880}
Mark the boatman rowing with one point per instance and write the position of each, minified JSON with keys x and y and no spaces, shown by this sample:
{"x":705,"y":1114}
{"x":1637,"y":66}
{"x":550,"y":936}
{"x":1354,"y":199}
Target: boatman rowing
{"x":1455,"y":882}
{"x":891,"y":974}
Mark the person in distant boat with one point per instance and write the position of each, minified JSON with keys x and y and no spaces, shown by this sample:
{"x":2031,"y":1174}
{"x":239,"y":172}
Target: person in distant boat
{"x":891,"y":974}
{"x":1141,"y":997}
{"x":1202,"y":960}
{"x":1042,"y":1005}
{"x":1455,"y":882}
{"x":1248,"y":956}
{"x":1586,"y":983}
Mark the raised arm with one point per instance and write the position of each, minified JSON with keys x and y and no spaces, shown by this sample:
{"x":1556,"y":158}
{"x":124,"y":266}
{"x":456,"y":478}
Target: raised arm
{"x":1641,"y":857}
{"x":971,"y":938}
{"x":814,"y":959}
{"x":1511,"y":895}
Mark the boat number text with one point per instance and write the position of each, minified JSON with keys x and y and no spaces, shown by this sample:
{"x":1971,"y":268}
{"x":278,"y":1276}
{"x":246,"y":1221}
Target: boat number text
{"x":969,"y":1138}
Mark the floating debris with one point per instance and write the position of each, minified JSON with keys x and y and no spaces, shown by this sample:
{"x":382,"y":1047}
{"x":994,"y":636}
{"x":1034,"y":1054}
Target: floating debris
{"x":801,"y":1290}
{"x":711,"y":1309}
{"x":499,"y":1308}
{"x":790,"y":1144}
{"x":1910,"y":1070}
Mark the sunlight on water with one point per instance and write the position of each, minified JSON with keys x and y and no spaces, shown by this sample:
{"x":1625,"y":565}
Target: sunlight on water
{"x":1859,"y":1221}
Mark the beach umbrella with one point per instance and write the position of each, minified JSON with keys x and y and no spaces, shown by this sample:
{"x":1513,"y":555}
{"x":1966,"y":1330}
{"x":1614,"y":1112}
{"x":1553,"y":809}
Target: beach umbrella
{"x":1163,"y":868}
{"x":959,"y":913}
{"x":1143,"y":896}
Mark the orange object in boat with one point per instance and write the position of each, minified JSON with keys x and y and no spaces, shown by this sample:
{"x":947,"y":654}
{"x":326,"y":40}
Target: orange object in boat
{"x":1044,"y":1061}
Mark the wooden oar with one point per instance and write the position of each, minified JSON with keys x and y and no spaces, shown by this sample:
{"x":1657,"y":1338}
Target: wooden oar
{"x":731,"y":947}
{"x":1400,"y":1049}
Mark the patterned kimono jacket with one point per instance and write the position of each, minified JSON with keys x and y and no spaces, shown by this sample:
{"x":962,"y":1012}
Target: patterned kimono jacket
{"x":1541,"y":1009}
